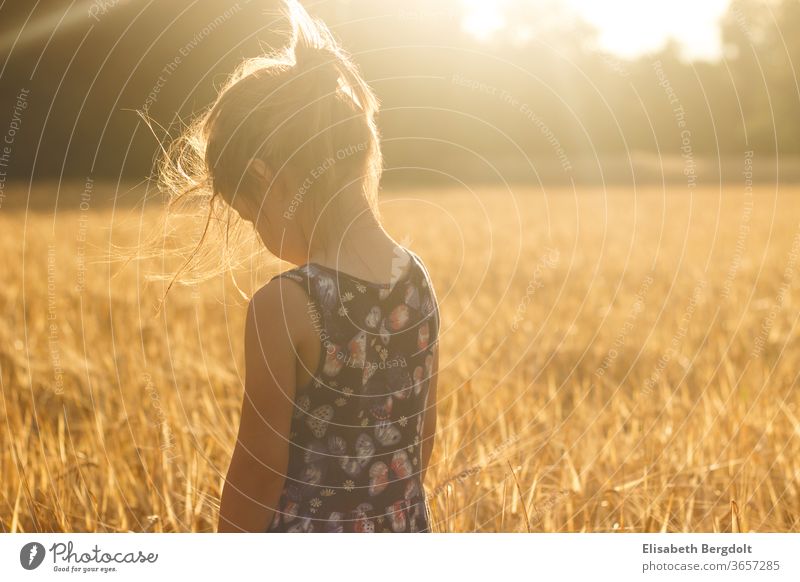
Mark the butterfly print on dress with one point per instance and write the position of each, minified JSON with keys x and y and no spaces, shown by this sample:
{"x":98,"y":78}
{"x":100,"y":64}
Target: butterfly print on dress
{"x":354,"y":457}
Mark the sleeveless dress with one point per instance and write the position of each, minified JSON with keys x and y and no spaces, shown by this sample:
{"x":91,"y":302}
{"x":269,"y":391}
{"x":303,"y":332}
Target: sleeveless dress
{"x":355,"y":449}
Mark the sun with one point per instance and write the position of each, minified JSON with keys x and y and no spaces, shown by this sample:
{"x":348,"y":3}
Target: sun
{"x":483,"y":19}
{"x":630,"y":28}
{"x":627,"y":28}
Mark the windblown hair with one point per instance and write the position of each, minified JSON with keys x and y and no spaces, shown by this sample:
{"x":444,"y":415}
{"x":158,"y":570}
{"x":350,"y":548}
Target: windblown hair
{"x":298,"y":109}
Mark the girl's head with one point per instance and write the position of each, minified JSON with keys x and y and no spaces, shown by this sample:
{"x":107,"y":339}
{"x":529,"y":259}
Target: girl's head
{"x":290,"y":143}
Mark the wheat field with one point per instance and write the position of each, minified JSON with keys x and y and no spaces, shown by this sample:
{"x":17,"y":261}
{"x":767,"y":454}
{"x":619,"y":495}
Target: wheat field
{"x":611,"y":360}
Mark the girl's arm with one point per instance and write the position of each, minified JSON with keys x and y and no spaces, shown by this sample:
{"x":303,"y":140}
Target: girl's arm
{"x":259,"y":463}
{"x":429,"y":422}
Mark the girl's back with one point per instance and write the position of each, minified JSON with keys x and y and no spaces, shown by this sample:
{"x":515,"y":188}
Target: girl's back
{"x":355,"y":451}
{"x":338,"y":416}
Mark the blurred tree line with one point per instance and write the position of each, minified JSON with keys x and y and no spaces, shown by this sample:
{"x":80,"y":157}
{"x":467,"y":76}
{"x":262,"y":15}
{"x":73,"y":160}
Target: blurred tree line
{"x":531,"y":103}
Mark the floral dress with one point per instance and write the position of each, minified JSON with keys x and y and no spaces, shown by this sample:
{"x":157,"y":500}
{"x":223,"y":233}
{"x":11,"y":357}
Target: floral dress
{"x":355,"y":450}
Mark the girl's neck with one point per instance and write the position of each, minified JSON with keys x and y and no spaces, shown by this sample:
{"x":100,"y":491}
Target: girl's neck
{"x":365,"y":251}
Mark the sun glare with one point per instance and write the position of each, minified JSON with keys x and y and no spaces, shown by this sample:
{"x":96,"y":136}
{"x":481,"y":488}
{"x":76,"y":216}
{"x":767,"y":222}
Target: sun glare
{"x":627,"y":28}
{"x":483,"y":19}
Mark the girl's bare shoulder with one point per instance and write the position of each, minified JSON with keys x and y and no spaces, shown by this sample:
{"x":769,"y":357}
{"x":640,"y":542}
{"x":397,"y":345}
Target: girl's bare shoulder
{"x":282,"y":301}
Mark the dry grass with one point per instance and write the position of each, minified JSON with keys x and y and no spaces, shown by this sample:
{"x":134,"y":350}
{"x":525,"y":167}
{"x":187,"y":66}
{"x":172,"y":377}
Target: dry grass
{"x":639,"y":376}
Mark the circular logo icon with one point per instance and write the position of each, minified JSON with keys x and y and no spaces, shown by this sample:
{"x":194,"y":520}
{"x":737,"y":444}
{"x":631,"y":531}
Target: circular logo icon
{"x":31,"y":555}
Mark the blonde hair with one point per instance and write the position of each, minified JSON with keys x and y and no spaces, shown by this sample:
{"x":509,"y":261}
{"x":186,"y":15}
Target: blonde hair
{"x":299,"y":110}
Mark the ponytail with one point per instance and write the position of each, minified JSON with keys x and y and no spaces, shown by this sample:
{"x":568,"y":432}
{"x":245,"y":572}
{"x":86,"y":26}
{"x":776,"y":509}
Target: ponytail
{"x":316,"y":53}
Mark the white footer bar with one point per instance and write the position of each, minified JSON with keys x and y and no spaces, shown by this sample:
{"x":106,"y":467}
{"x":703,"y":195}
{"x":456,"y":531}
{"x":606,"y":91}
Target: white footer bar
{"x":446,"y":557}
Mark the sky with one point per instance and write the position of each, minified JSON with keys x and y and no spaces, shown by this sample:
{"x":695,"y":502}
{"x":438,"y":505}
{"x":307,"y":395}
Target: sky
{"x":626,"y":28}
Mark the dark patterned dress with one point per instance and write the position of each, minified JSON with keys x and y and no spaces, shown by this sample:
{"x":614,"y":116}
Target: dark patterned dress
{"x":355,"y":447}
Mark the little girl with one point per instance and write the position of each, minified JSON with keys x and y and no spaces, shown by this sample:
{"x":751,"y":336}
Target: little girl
{"x":339,"y":410}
